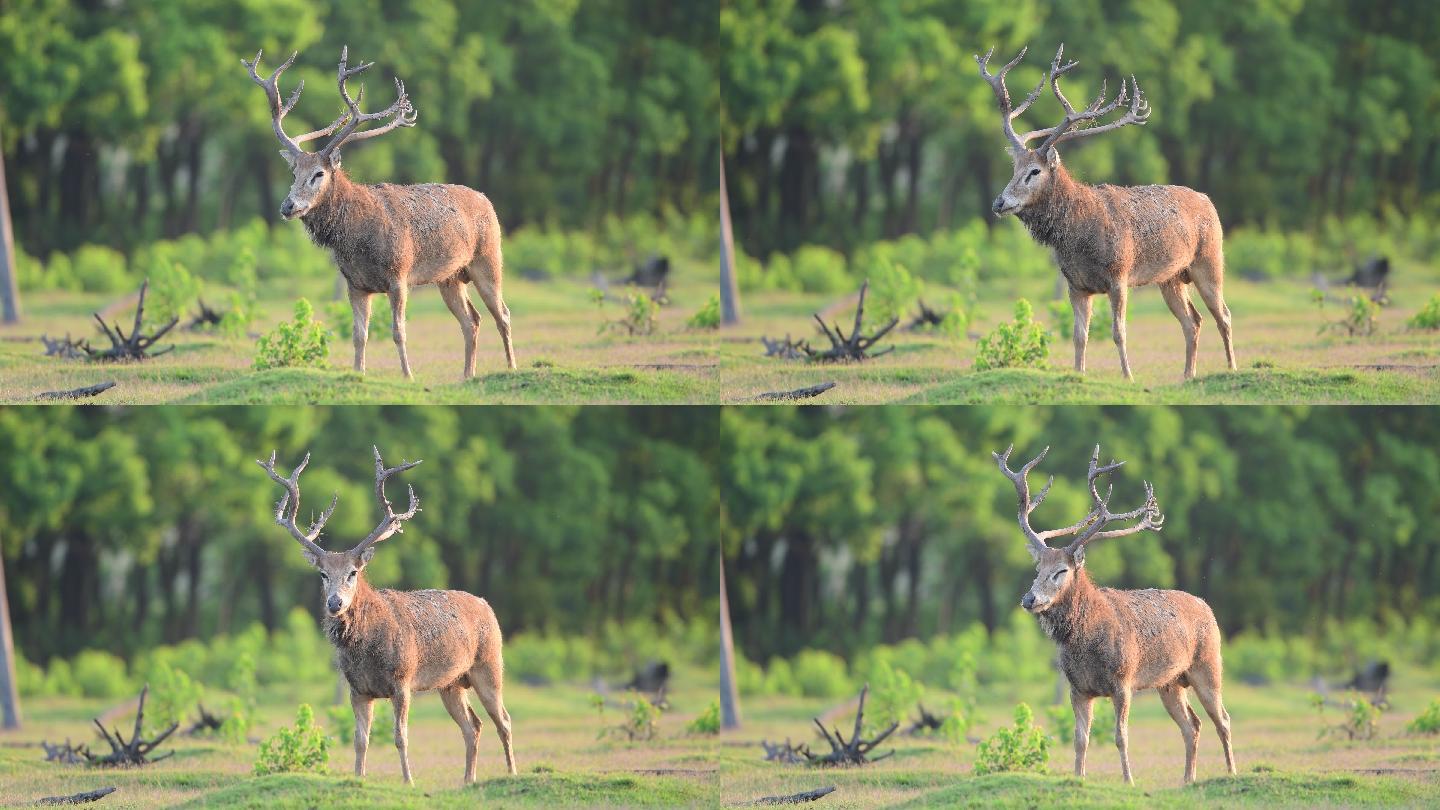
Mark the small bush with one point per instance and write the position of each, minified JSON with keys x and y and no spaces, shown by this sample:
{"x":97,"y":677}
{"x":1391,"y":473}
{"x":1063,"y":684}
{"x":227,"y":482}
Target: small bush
{"x":707,"y":316}
{"x":173,"y":698}
{"x":172,"y":293}
{"x":1428,"y":318}
{"x":1021,"y":343}
{"x":893,"y":696}
{"x":1064,"y":315}
{"x":1359,"y":319}
{"x":98,"y":269}
{"x":299,"y":342}
{"x":1102,"y":722}
{"x":295,"y":750}
{"x":1062,"y":717}
{"x":821,"y":674}
{"x":99,"y":674}
{"x":1360,"y":721}
{"x":1021,"y":747}
{"x":819,"y":270}
{"x":893,"y":295}
{"x":1428,"y":721}
{"x":707,"y":722}
{"x":342,"y":316}
{"x":342,"y":720}
{"x":640,"y":723}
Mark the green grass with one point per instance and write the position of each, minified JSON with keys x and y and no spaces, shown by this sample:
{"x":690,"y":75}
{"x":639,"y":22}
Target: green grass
{"x":563,"y":358}
{"x":1283,"y":357}
{"x":561,"y":758}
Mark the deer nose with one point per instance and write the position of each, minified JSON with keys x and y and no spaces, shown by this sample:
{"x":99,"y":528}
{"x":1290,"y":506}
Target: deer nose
{"x":999,"y":204}
{"x":1028,"y":602}
{"x":287,"y":207}
{"x":333,"y":604}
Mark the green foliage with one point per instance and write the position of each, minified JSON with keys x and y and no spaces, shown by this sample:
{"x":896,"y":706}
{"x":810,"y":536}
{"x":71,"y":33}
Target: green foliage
{"x":299,"y":749}
{"x":342,"y":315}
{"x":173,"y":698}
{"x":240,"y":707}
{"x":1359,"y":318}
{"x":1062,"y":719}
{"x":1428,"y":318}
{"x":172,"y":293}
{"x":98,"y":269}
{"x":1102,"y":721}
{"x":1359,"y":720}
{"x":1427,"y":721}
{"x":893,"y":697}
{"x":1064,"y":315}
{"x":342,"y":720}
{"x":302,"y":342}
{"x":893,"y":294}
{"x":639,"y":722}
{"x":99,"y":674}
{"x":707,"y":722}
{"x":707,"y":316}
{"x":821,"y":674}
{"x":1021,"y":747}
{"x":1021,"y":343}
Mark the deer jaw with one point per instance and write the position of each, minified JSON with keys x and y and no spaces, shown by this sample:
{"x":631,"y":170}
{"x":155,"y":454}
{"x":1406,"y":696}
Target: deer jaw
{"x":1029,"y":184}
{"x":341,"y":578}
{"x":1056,"y":571}
{"x":314,"y":175}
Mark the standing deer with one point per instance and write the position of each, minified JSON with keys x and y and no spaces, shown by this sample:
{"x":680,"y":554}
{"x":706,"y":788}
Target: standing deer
{"x":1107,"y":238}
{"x":387,"y":238}
{"x":1115,"y":642}
{"x":392,"y":644}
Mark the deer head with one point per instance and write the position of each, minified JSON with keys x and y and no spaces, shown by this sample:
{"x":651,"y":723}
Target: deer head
{"x":340,"y":571}
{"x":313,"y":171}
{"x":1055,"y":568}
{"x":1035,"y":168}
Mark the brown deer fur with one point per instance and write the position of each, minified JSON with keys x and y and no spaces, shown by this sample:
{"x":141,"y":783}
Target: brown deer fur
{"x":1106,"y":238}
{"x":393,"y":644}
{"x":1114,"y":642}
{"x":389,"y":238}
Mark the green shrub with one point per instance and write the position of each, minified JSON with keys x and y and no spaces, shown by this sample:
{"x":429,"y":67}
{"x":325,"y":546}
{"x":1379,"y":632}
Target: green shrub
{"x":893,"y":697}
{"x":172,"y":293}
{"x":1102,"y":721}
{"x":707,"y":316}
{"x":100,"y":269}
{"x":707,"y":722}
{"x":893,"y":294}
{"x":820,"y":270}
{"x":295,"y":750}
{"x":173,"y":698}
{"x":1360,"y":721}
{"x":60,"y":681}
{"x":641,"y":719}
{"x":1021,"y":343}
{"x":1428,"y":721}
{"x":821,"y":674}
{"x":99,"y":674}
{"x":299,"y":342}
{"x":780,"y":678}
{"x":342,"y":316}
{"x":1064,"y":316}
{"x":240,"y":707}
{"x":1428,"y":318}
{"x":1062,"y":718}
{"x":1021,"y":747}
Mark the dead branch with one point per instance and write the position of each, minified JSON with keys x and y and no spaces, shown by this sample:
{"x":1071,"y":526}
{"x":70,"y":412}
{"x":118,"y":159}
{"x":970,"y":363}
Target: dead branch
{"x":786,"y":752}
{"x":136,"y":345}
{"x":205,"y":318}
{"x":854,"y":346}
{"x":65,"y":348}
{"x":78,"y":393}
{"x":926,"y":722}
{"x":66,"y":754}
{"x":926,"y":318}
{"x":856,"y":750}
{"x":786,"y":349}
{"x":798,"y":393}
{"x":78,"y":798}
{"x":207,"y":722}
{"x":797,"y":798}
{"x":134,"y":751}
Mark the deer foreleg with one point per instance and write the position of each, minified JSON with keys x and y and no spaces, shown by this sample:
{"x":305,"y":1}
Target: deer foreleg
{"x":364,"y":710}
{"x":399,"y":294}
{"x":1083,"y":707}
{"x":1080,"y":303}
{"x":1119,"y":296}
{"x":401,"y":703}
{"x":359,"y":325}
{"x":1121,"y":700}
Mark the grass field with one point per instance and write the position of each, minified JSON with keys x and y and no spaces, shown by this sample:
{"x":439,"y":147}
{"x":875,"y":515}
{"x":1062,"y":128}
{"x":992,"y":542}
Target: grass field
{"x":562,"y":762}
{"x":1282,"y":355}
{"x":1281,"y":760}
{"x":562,"y":356}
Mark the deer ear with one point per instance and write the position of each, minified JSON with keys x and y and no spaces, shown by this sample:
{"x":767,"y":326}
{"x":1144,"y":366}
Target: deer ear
{"x":1078,"y":555}
{"x":335,"y":159}
{"x":1034,"y":552}
{"x":1052,"y":157}
{"x":289,"y":158}
{"x":310,"y":557}
{"x":366,"y":555}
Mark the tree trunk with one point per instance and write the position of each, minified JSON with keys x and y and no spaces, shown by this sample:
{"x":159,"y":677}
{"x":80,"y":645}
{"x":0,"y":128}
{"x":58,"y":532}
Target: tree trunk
{"x":729,"y":287}
{"x":729,"y":690}
{"x":9,"y":295}
{"x":9,"y":688}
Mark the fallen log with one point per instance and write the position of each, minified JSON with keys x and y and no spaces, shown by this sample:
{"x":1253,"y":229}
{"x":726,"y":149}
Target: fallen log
{"x":78,"y":393}
{"x":78,"y":798}
{"x":797,"y":798}
{"x":798,"y":393}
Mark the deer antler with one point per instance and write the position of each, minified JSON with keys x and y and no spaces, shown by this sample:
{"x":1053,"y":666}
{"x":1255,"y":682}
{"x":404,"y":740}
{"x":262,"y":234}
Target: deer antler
{"x":278,"y":111}
{"x":1151,"y":519}
{"x":289,"y":505}
{"x":1035,"y":539}
{"x":391,"y":522}
{"x":403,"y":112}
{"x":1069,"y":128}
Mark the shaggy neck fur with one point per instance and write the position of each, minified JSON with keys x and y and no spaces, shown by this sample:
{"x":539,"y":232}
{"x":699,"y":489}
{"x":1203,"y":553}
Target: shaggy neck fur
{"x":356,"y":622}
{"x":1049,"y":216}
{"x":326,"y":220}
{"x":1073,"y":612}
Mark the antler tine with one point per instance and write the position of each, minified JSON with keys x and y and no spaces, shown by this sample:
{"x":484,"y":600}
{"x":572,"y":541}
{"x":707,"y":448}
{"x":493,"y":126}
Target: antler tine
{"x":1002,"y":93}
{"x":390,"y":523}
{"x":1073,"y":125}
{"x":402,"y":113}
{"x":289,"y":506}
{"x":1022,"y":490}
{"x":1151,"y":518}
{"x":271,"y":87}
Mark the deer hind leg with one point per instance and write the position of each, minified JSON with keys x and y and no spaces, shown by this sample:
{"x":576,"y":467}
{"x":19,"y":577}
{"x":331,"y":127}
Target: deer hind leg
{"x":459,"y":708}
{"x":364,"y":711}
{"x":486,"y":273}
{"x":359,"y":325}
{"x":401,"y":703}
{"x":1080,"y":303}
{"x":1177,"y":296}
{"x":1121,"y":699}
{"x":399,"y":295}
{"x":1173,"y":696}
{"x":458,"y":301}
{"x":1084,"y":707}
{"x":1208,"y":274}
{"x":1119,"y":297}
{"x":489,"y":683}
{"x":1207,"y":689}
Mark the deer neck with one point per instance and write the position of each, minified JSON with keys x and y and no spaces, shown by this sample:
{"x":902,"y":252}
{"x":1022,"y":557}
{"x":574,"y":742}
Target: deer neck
{"x":1075,"y":612}
{"x":327,"y":220}
{"x":351,"y":626}
{"x":1051,"y":217}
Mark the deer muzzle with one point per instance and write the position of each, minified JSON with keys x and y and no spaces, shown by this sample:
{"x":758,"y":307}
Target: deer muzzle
{"x":333,"y":604}
{"x":288,"y":209}
{"x":1033,"y":604}
{"x":1000,"y":207}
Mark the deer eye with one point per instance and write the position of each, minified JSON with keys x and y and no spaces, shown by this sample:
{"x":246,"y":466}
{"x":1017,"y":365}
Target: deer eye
{"x":324,"y":576}
{"x":317,"y":176}
{"x":352,"y":575}
{"x":1060,"y":573}
{"x":1033,"y":172}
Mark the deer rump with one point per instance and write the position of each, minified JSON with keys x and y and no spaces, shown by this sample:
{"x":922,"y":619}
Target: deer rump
{"x":1148,"y":638}
{"x":429,"y":639}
